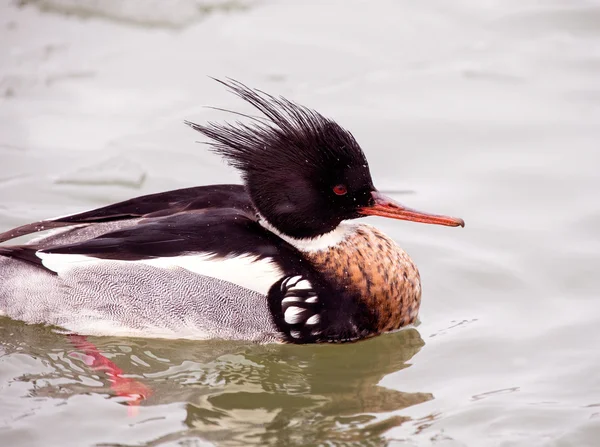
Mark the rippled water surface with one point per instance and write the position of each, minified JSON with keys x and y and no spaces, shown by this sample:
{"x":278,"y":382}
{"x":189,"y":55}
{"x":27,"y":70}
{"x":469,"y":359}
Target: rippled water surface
{"x":488,"y":110}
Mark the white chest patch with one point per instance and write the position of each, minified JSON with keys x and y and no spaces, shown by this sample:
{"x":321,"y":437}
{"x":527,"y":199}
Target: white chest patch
{"x":245,"y":271}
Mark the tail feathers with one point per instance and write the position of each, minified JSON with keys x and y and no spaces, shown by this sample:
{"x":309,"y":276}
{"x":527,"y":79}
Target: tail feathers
{"x":35,"y":227}
{"x":22,"y":253}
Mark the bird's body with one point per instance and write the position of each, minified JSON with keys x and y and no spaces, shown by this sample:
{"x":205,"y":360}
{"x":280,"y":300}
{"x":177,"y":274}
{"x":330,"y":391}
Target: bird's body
{"x":276,"y":259}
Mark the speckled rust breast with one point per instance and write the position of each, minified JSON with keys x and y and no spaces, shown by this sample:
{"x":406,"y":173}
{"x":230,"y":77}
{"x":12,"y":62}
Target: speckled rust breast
{"x":371,"y":265}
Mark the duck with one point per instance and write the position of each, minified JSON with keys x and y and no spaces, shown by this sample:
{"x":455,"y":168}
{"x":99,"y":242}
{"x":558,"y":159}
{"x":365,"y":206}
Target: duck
{"x":279,"y":258}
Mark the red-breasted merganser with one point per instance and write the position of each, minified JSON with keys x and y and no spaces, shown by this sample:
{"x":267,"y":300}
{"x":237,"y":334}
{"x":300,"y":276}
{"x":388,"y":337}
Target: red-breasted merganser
{"x":272,"y":260}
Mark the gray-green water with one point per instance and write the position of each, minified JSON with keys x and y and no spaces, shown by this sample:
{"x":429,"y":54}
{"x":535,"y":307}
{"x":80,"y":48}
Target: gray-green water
{"x":488,"y":110}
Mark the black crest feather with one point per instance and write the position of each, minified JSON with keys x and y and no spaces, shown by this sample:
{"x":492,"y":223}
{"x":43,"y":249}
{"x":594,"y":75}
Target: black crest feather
{"x":292,"y":135}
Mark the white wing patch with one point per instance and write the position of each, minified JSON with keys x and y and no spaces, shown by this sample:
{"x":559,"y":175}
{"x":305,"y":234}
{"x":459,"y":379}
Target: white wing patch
{"x":246,"y":271}
{"x":62,"y":263}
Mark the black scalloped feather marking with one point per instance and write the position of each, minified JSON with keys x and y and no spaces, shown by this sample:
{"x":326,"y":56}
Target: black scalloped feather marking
{"x":309,"y":311}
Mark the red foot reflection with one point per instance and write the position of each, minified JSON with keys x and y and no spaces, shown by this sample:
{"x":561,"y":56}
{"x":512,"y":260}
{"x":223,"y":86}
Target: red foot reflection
{"x":121,"y":386}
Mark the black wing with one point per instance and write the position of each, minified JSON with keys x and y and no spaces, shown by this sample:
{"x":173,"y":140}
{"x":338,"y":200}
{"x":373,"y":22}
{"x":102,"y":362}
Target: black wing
{"x":222,"y":232}
{"x":153,"y":205}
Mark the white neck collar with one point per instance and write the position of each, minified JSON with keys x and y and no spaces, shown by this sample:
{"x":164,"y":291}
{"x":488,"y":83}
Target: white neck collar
{"x":318,"y":243}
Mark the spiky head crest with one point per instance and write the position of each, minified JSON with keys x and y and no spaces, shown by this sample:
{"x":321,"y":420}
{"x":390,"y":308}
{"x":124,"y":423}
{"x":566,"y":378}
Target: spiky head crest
{"x":303,"y":172}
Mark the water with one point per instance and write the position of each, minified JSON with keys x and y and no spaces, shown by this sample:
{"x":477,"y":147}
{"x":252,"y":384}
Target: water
{"x":488,"y":110}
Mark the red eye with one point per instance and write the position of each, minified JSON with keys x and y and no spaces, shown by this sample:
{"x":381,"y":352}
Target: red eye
{"x":340,"y":190}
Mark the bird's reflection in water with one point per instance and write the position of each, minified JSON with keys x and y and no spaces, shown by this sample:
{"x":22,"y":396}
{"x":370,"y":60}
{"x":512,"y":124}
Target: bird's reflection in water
{"x":302,"y":395}
{"x":241,"y":393}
